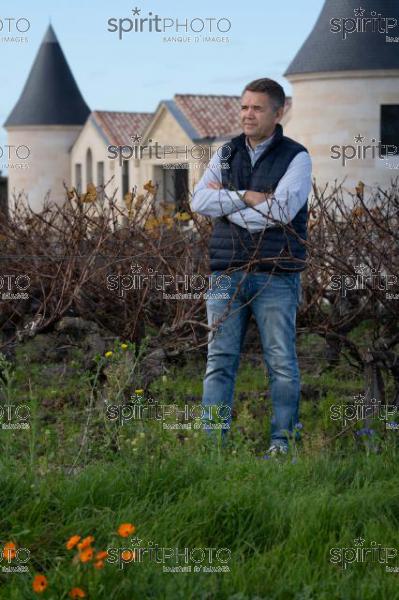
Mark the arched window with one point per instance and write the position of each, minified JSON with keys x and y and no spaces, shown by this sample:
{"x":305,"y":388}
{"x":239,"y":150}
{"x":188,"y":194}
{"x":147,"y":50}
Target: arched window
{"x":89,"y":167}
{"x":125,"y":178}
{"x":78,"y":177}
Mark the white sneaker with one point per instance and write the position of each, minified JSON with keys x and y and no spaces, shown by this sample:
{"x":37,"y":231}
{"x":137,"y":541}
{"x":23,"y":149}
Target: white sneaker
{"x":276,"y":449}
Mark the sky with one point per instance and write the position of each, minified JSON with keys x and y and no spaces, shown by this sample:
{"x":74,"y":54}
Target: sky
{"x":136,"y":72}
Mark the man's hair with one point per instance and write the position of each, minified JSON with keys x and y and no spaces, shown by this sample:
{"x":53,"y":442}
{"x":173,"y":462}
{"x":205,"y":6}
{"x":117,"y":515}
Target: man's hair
{"x":269,"y":87}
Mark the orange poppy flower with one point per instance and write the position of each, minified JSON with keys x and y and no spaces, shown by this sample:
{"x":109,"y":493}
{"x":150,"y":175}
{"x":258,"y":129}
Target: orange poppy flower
{"x":86,"y":542}
{"x":128,"y":555}
{"x":77,"y":593}
{"x":99,"y":564}
{"x":71,"y":543}
{"x":126,"y":529}
{"x":86,"y":555}
{"x":101,"y":555}
{"x":39,"y":583}
{"x":9,"y":550}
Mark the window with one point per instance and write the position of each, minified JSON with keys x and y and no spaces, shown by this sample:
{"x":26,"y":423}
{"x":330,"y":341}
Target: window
{"x":78,"y":177}
{"x":100,"y":178}
{"x":176,"y":187}
{"x":181,"y":189}
{"x":89,"y":167}
{"x":390,"y":129}
{"x":125,"y":178}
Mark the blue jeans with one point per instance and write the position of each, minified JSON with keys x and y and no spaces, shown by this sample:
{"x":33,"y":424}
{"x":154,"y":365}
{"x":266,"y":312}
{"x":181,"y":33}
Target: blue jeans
{"x":273,"y":299}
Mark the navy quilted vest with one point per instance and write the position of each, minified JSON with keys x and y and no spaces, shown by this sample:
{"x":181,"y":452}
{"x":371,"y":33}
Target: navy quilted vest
{"x":275,"y":248}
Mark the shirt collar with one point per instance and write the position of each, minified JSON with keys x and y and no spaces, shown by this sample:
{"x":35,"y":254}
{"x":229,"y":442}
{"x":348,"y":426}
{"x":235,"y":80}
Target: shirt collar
{"x":260,"y":146}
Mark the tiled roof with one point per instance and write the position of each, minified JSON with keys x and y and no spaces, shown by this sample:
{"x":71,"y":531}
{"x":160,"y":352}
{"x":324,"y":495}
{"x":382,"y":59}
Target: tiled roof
{"x":201,"y":116}
{"x":211,"y":116}
{"x":119,"y":127}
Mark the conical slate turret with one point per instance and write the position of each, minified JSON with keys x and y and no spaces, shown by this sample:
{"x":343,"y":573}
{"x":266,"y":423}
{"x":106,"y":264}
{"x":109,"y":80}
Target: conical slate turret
{"x":51,"y":95}
{"x":350,"y":35}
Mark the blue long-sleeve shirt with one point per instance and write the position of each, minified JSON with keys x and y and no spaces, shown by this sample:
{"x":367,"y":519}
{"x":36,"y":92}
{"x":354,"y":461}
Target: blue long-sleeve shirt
{"x":289,"y":197}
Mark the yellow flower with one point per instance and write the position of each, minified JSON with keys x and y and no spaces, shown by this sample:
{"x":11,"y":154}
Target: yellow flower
{"x":183,"y":216}
{"x":139,"y":392}
{"x":124,"y":346}
{"x":108,"y":354}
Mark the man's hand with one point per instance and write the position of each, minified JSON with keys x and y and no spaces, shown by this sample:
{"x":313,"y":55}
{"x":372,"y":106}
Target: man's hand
{"x":250,"y":198}
{"x":254,"y":198}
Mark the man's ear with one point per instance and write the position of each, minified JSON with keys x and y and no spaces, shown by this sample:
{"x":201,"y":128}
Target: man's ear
{"x":279,"y":114}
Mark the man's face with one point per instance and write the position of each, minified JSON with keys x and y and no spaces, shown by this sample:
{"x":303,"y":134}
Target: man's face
{"x":258,"y":117}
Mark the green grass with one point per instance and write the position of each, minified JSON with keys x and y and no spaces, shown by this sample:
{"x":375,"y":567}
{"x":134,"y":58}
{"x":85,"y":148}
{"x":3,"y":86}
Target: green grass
{"x":74,"y":472}
{"x":278,"y":519}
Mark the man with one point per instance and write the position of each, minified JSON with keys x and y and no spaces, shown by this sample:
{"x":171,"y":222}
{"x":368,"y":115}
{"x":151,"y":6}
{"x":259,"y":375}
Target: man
{"x":256,"y":188}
